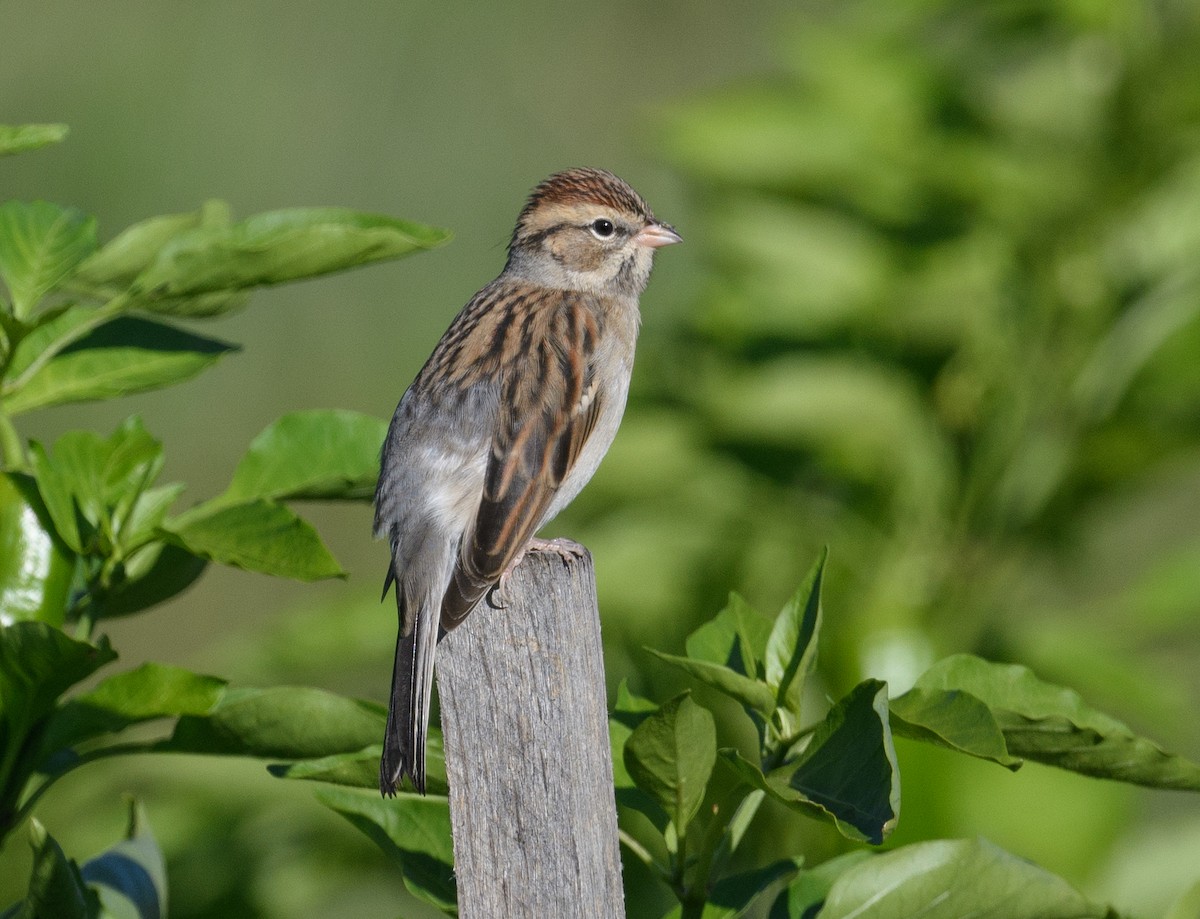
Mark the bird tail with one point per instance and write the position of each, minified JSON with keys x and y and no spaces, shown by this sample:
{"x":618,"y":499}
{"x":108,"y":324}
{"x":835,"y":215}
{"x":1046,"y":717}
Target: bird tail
{"x":408,"y":713}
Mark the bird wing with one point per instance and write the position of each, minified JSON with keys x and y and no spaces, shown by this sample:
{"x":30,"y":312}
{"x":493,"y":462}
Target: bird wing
{"x":549,"y":402}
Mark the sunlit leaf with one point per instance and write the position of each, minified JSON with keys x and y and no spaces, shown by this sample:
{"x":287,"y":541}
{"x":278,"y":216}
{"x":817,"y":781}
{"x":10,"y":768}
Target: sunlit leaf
{"x":258,"y":536}
{"x":40,"y":244}
{"x":145,"y":693}
{"x":952,"y":719}
{"x":122,"y":357}
{"x":1053,"y":725}
{"x":791,"y":650}
{"x":283,"y":722}
{"x":949,"y":879}
{"x":312,"y":454}
{"x":279,"y":246}
{"x":36,"y":567}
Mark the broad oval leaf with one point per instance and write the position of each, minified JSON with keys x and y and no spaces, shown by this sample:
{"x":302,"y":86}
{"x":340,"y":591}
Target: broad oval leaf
{"x":1053,"y":725}
{"x":279,"y":246}
{"x":17,"y":138}
{"x":124,"y":356}
{"x":256,"y":535}
{"x":282,"y":722}
{"x":313,"y":454}
{"x":949,"y":879}
{"x":670,"y":756}
{"x":413,"y":830}
{"x":40,"y":244}
{"x":142,"y":694}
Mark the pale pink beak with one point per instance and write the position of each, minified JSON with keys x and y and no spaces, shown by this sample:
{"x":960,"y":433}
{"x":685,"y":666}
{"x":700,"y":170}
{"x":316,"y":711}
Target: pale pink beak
{"x":657,"y":234}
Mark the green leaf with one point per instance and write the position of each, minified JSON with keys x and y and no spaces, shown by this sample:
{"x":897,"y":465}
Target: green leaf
{"x":630,"y":711}
{"x":56,"y":888}
{"x":54,"y":330}
{"x":124,"y":356}
{"x":738,"y":894}
{"x":747,"y":691}
{"x":145,"y":693}
{"x":671,"y":754}
{"x":792,"y":647}
{"x":40,"y":244}
{"x":17,"y":138}
{"x":952,"y":719}
{"x":118,"y":262}
{"x":312,"y":454}
{"x":356,"y":770}
{"x":90,"y":485}
{"x":1053,"y":725}
{"x":36,"y":567}
{"x":736,"y":638}
{"x":38,"y":663}
{"x":810,"y":887}
{"x":413,"y":830}
{"x":279,"y":246}
{"x":847,"y":774}
{"x":949,"y":879}
{"x":282,"y":722}
{"x":360,"y":769}
{"x":131,"y":877}
{"x":257,"y":536}
{"x":153,"y":574}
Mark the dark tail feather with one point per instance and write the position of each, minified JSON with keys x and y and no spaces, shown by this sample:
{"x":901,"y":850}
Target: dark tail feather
{"x":408,"y":714}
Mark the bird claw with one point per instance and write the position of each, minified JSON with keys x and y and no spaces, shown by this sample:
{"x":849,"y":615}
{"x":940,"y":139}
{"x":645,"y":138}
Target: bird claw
{"x":566,"y":549}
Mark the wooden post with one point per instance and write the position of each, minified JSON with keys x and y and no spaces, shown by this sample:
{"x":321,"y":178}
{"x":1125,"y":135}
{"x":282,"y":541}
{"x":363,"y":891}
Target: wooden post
{"x":525,"y":723}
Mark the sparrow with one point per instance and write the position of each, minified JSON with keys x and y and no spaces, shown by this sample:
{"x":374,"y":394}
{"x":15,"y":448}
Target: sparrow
{"x":506,"y":422}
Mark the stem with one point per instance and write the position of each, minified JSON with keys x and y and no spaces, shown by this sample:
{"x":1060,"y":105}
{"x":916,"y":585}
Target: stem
{"x":645,"y":857}
{"x":10,"y":444}
{"x":723,"y":813}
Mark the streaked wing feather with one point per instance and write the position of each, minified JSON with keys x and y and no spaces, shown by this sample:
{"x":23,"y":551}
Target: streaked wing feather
{"x":550,"y":404}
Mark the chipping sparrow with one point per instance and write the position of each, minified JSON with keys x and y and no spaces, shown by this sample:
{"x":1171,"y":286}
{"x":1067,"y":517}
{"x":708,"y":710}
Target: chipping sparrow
{"x":507,"y":421}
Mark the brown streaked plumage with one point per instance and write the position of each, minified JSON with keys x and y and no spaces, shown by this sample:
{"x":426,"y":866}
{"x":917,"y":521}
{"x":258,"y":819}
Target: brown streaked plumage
{"x":507,"y":421}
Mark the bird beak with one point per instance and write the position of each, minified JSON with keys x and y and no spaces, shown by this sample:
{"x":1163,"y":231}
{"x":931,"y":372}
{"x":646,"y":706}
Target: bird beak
{"x":657,"y":234}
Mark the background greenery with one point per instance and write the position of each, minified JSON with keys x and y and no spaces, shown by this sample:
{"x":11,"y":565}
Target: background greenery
{"x":937,"y":308}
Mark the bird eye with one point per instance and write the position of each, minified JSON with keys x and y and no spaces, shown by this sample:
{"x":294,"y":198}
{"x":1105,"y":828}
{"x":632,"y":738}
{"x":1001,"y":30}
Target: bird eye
{"x":602,"y":228}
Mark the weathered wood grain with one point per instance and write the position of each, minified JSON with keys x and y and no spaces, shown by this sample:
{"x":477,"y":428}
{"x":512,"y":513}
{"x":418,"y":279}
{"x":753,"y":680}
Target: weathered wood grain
{"x":527,"y":750}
